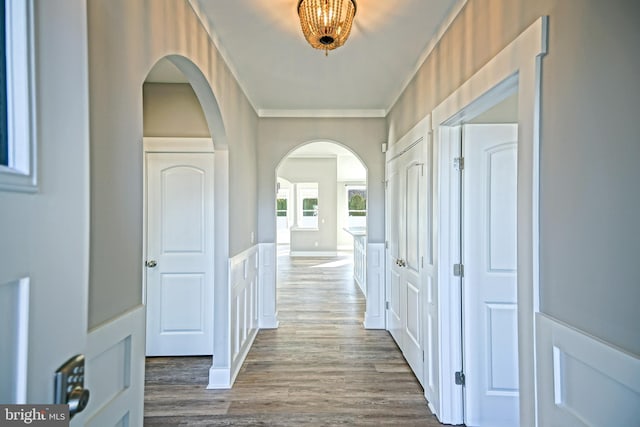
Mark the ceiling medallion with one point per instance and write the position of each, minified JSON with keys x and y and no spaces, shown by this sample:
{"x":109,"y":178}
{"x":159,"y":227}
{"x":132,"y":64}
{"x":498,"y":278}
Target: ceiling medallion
{"x":326,"y":24}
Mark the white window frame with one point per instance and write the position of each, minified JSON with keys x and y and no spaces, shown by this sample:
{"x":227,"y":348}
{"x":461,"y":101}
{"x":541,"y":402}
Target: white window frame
{"x":307,"y":190}
{"x":21,"y":172}
{"x":356,"y":221}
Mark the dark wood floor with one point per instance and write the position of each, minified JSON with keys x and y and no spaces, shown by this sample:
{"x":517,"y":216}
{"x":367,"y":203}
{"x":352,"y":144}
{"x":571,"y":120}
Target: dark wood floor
{"x":320,"y":368}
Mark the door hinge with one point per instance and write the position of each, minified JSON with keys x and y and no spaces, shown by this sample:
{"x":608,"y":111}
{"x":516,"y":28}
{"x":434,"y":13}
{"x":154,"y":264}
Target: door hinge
{"x":458,"y":163}
{"x":386,"y":305}
{"x":386,"y":184}
{"x":386,"y":244}
{"x":458,"y":270}
{"x":460,"y":378}
{"x":422,"y":261}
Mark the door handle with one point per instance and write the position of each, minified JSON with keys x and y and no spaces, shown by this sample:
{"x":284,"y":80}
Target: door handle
{"x":150,"y":263}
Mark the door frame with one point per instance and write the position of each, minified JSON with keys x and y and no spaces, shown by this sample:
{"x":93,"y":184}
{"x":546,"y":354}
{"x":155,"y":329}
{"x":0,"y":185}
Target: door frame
{"x":220,"y":373}
{"x":516,"y":68}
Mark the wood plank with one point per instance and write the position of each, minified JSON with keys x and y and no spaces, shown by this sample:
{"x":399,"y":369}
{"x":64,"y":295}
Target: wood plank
{"x":321,"y":367}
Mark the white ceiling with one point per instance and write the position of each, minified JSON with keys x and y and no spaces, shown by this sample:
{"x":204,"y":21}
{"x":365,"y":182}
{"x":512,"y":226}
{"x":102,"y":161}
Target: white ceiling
{"x":282,"y":74}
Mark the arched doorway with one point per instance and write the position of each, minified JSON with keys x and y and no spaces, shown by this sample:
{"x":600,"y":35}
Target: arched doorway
{"x":321,"y":208}
{"x":180,"y":109}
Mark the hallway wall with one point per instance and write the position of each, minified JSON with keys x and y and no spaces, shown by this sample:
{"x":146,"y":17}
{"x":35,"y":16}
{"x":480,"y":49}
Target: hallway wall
{"x":589,"y":137}
{"x":126,"y":38}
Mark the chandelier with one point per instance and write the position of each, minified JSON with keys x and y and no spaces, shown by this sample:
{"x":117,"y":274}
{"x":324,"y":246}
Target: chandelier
{"x":326,"y":24}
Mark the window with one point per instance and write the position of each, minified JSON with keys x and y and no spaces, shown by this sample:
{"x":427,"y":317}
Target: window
{"x":17,"y":118}
{"x":281,"y":207}
{"x":307,"y":205}
{"x":356,"y":206}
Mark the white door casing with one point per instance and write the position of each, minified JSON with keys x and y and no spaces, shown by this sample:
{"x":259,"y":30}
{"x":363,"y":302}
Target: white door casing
{"x":489,"y":227}
{"x":394,"y":297}
{"x":179,"y":288}
{"x":516,"y":68}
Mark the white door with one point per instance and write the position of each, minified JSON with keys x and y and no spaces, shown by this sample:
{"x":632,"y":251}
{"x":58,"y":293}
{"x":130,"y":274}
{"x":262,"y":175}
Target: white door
{"x":489,"y":283}
{"x":411,"y":257}
{"x":393,"y":290}
{"x":405,"y":225}
{"x":179,"y":281}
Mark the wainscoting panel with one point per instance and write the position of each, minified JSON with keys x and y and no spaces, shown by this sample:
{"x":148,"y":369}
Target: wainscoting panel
{"x":360,"y":262}
{"x":243,"y":282}
{"x":14,"y":336}
{"x":268,"y":316}
{"x":583,"y":381}
{"x":115,"y":371}
{"x":374,"y":314}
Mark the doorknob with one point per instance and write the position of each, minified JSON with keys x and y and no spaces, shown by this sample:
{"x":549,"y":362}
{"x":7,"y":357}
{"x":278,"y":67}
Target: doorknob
{"x":150,"y":264}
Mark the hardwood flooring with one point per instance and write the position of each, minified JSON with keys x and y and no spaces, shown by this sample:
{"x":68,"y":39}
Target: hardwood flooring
{"x":320,"y":368}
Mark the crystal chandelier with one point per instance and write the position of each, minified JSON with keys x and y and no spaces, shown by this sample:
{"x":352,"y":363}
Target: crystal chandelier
{"x":326,"y":24}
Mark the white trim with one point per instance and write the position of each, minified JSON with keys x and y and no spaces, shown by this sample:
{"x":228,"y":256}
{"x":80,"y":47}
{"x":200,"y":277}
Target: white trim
{"x":442,"y":29}
{"x":177,"y":145}
{"x":267,"y":305}
{"x":583,"y":381}
{"x":116,"y":347}
{"x":243,"y":316}
{"x":355,"y":113}
{"x":518,"y":62}
{"x":417,"y":133}
{"x":374,"y":316}
{"x":15,"y":294}
{"x":313,"y":253}
{"x":21,"y":173}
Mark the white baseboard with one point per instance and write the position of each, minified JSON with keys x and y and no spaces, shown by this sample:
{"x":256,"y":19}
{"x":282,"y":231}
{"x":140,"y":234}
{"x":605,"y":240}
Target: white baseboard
{"x":583,"y":381}
{"x":219,"y":378}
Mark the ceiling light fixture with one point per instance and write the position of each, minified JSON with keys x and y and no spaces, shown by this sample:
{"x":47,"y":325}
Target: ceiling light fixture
{"x":326,"y":24}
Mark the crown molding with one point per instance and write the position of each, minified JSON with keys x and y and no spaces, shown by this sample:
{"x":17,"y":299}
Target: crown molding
{"x":323,"y":113}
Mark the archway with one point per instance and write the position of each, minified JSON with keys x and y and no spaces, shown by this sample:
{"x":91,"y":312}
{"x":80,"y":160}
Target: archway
{"x":197,"y":128}
{"x":321,"y":208}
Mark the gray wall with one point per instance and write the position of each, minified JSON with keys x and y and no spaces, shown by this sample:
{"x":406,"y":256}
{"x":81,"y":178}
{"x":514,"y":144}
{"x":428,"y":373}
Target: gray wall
{"x":126,"y":38}
{"x":172,"y":109}
{"x":323,"y":172}
{"x":279,"y":136}
{"x":590,"y":202}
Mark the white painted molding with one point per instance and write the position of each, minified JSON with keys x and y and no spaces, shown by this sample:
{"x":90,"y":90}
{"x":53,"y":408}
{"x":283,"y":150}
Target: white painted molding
{"x":267,"y":309}
{"x":519,"y":63}
{"x":583,"y":381}
{"x":416,"y":134}
{"x":322,"y":113}
{"x":14,"y":303}
{"x":219,"y":378}
{"x":374,"y":316}
{"x":243,"y":316}
{"x":304,"y":254}
{"x":115,"y":371}
{"x":21,"y":174}
{"x":177,"y":145}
